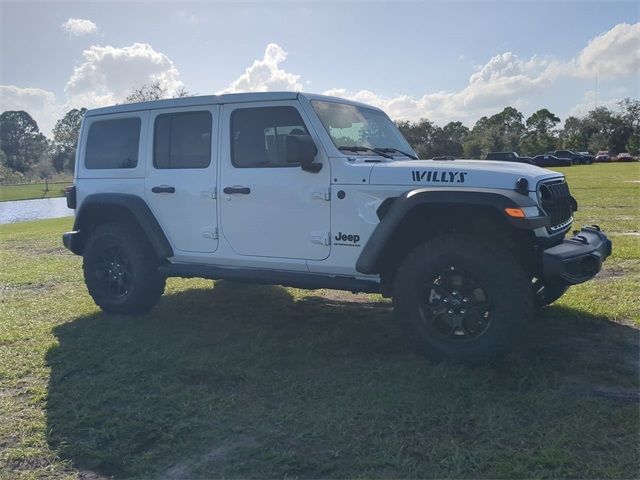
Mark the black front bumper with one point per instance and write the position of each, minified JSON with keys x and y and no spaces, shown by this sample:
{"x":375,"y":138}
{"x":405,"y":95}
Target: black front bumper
{"x":577,"y":259}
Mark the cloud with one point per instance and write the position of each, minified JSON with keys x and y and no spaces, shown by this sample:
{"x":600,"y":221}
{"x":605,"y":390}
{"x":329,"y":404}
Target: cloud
{"x":40,"y":104}
{"x":504,"y":80}
{"x":266,"y":75}
{"x":613,"y":53}
{"x":79,"y":26}
{"x":108,"y":74}
{"x":105,"y":76}
{"x":507,"y":79}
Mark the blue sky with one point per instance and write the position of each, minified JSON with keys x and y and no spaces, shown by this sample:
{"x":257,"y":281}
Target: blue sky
{"x":441,"y":60}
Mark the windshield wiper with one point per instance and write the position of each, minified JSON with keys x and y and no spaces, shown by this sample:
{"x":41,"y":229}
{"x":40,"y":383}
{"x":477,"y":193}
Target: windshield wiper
{"x":389,"y":149}
{"x":359,"y":148}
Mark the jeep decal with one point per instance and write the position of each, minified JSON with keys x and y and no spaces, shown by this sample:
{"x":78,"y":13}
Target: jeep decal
{"x":347,"y":240}
{"x":438,"y":176}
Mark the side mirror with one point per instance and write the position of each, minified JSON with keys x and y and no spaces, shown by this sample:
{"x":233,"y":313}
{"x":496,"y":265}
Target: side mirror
{"x":301,"y":149}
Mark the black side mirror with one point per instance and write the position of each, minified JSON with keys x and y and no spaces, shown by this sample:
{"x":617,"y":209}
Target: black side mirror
{"x":301,"y":149}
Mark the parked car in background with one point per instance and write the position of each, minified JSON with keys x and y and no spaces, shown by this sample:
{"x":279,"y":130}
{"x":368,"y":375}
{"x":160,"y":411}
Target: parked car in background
{"x":577,"y":158}
{"x":625,"y":157}
{"x":603,"y":156}
{"x":444,"y":157}
{"x":551,"y":161}
{"x":508,"y":157}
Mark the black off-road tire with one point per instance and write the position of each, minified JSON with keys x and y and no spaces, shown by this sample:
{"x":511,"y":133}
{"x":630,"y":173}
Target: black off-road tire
{"x":121,"y":270}
{"x":504,"y":286}
{"x":548,"y":293}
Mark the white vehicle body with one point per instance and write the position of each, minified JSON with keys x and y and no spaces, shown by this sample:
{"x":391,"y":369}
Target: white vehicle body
{"x":318,"y":192}
{"x":292,"y":220}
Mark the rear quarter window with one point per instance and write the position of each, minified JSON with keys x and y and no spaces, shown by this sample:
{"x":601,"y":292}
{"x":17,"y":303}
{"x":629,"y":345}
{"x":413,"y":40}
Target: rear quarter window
{"x":113,"y":144}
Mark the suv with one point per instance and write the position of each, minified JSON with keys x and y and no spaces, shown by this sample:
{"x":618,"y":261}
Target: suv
{"x":576,"y":158}
{"x":316,"y":192}
{"x":508,"y":157}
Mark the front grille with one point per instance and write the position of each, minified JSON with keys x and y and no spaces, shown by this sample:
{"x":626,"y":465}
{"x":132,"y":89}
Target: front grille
{"x":555,"y":200}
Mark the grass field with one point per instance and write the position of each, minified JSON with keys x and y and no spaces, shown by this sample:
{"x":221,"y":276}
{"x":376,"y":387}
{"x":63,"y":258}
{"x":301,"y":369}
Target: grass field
{"x":30,"y":191}
{"x":250,"y":381}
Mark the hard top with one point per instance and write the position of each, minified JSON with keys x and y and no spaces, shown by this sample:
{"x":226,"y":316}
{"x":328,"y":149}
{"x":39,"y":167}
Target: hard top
{"x":217,"y":100}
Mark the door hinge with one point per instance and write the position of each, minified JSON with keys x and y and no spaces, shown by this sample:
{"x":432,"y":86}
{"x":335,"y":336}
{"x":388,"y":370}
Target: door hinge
{"x":321,"y":238}
{"x":211,"y":193}
{"x":322,"y":194}
{"x":210,"y":232}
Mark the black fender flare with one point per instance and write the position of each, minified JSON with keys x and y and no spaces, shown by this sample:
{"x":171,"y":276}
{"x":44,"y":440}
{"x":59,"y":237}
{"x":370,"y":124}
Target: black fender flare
{"x":369,"y":259}
{"x":139,"y":210}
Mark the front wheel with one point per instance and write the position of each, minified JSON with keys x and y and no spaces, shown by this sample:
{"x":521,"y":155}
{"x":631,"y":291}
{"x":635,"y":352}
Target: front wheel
{"x":463,"y":299}
{"x":121,"y":271}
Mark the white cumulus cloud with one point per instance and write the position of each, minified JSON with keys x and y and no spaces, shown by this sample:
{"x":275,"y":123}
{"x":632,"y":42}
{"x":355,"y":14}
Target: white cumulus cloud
{"x":266,"y":75}
{"x":79,"y":26}
{"x":40,"y":104}
{"x":615,"y":52}
{"x":108,"y":74}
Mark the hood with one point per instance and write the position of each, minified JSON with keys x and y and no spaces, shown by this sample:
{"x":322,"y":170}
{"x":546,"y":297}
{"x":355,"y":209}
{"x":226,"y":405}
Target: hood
{"x":461,"y":173}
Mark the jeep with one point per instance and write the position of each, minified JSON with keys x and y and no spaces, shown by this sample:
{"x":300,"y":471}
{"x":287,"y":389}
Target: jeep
{"x":314,"y":192}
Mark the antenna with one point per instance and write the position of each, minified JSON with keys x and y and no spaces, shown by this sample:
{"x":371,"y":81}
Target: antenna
{"x":595,"y":99}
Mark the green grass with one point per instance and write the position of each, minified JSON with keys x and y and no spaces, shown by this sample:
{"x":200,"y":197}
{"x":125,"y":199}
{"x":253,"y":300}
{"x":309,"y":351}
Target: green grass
{"x":250,"y":381}
{"x":30,"y":191}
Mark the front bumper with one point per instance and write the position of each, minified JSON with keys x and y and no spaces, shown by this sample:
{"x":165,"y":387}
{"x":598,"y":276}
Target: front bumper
{"x":577,"y":259}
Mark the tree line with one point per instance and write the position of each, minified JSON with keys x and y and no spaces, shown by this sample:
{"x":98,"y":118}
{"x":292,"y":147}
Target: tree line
{"x":27,"y":154}
{"x":616,"y":130}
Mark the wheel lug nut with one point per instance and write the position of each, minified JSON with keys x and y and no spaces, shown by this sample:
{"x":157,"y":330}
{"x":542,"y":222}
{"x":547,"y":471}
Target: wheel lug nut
{"x":462,"y":312}
{"x":446,"y":300}
{"x":465,"y":299}
{"x":450,"y":312}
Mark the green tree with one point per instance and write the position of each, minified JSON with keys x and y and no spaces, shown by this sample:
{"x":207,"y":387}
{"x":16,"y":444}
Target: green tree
{"x":154,"y":91}
{"x":419,"y":135}
{"x":540,"y":135}
{"x":65,"y":139}
{"x":21,"y":140}
{"x":631,"y":115}
{"x":449,"y":139}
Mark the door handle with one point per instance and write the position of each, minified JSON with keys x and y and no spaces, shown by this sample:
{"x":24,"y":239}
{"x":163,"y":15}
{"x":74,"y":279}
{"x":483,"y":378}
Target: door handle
{"x":163,"y":189}
{"x":242,"y":190}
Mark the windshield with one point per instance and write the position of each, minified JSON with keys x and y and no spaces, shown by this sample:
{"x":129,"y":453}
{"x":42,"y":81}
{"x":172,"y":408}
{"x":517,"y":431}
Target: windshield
{"x":352,"y":126}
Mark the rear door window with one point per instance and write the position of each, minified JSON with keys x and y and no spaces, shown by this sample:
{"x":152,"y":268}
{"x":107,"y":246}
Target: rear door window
{"x":182,"y":140}
{"x":113,"y":144}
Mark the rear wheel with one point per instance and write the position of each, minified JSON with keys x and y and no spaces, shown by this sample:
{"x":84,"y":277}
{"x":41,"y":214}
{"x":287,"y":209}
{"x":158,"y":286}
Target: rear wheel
{"x":463,"y":299}
{"x":121,"y":270}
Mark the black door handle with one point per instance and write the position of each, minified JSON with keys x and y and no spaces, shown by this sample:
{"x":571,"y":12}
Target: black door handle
{"x":163,"y":189}
{"x":243,"y":190}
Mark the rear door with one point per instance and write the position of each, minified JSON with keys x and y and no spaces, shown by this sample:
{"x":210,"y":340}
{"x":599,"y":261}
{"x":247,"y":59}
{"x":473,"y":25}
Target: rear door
{"x":180,"y":186}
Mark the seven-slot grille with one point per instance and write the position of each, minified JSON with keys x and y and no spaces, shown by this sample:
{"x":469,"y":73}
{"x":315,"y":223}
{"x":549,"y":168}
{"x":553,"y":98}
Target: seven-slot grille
{"x":555,"y":200}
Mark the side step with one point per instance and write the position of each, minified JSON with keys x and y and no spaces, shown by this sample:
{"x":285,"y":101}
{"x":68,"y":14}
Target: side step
{"x":309,"y":281}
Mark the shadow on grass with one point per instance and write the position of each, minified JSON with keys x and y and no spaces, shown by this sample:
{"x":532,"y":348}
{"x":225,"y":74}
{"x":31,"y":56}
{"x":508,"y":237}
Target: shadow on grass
{"x":245,"y":381}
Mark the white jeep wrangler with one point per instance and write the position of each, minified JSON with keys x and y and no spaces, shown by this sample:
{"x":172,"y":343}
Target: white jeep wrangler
{"x":317,"y":192}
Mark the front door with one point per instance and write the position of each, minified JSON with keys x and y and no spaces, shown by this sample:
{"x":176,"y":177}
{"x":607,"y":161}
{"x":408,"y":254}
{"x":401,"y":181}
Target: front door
{"x":181,"y":176}
{"x":268,"y":207}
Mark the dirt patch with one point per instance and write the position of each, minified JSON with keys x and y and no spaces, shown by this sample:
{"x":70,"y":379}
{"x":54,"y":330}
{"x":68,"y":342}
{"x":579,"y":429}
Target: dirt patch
{"x":348,"y":297}
{"x":214,"y":456}
{"x":35,"y":287}
{"x":609,"y":274}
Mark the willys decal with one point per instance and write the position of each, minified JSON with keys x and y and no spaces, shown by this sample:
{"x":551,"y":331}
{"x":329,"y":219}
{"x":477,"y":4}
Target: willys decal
{"x":438,"y":176}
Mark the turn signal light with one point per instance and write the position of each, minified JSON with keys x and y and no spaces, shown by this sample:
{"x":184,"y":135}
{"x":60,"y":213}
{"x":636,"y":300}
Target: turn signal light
{"x":514,"y":212}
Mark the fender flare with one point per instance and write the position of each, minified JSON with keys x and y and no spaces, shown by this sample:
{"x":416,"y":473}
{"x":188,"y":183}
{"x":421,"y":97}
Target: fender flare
{"x":137,"y":207}
{"x":368,"y":261}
